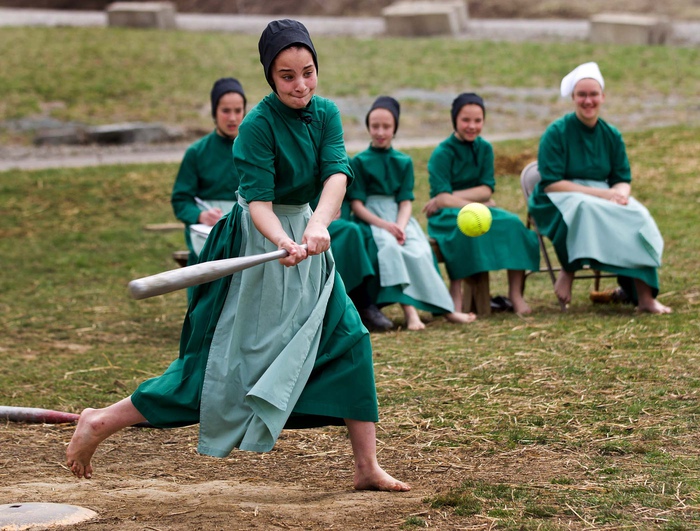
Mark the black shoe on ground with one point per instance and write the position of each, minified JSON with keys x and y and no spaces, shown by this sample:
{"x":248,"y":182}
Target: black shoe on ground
{"x":375,"y":320}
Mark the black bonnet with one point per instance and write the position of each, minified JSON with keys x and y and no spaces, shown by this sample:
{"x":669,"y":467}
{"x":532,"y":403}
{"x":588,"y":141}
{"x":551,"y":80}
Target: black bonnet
{"x":279,"y":35}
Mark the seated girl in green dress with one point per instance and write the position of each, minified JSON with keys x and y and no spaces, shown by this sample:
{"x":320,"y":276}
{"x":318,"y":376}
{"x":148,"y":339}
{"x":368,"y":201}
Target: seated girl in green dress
{"x":583,"y":203}
{"x":461,"y":171}
{"x":281,"y":344}
{"x":206,"y":183}
{"x":382,"y":197}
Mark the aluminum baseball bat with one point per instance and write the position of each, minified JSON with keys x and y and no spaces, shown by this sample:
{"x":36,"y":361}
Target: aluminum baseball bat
{"x":175,"y":279}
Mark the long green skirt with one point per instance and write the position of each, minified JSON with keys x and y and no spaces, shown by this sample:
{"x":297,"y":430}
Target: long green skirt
{"x":341,"y":381}
{"x":507,"y":245}
{"x":351,"y":258}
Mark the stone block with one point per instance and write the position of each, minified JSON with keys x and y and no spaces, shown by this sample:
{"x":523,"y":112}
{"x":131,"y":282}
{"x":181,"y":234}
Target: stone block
{"x":126,"y":133}
{"x":159,"y":15}
{"x":631,"y":29}
{"x":59,"y":136}
{"x":424,"y":18}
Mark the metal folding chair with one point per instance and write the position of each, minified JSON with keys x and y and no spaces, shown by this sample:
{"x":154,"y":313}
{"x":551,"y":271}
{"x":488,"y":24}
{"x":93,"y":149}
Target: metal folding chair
{"x":529,"y":178}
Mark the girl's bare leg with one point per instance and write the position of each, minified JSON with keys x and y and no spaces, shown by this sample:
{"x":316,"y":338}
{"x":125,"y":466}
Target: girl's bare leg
{"x":516,"y":283}
{"x":413,"y":321}
{"x":368,"y":474}
{"x":646,"y":301}
{"x":562,"y":287}
{"x":456,"y":293}
{"x":94,"y":426}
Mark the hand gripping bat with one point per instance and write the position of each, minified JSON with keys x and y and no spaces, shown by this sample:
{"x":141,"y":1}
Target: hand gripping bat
{"x":175,"y":279}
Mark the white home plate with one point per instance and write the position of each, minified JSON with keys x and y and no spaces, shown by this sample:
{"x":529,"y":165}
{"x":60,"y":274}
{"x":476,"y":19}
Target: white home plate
{"x":18,"y":516}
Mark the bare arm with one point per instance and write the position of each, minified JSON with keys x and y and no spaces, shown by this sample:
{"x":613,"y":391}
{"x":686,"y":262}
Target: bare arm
{"x":618,"y":193}
{"x":362,"y":212}
{"x":316,"y":235}
{"x":459,"y":198}
{"x":404,"y":215}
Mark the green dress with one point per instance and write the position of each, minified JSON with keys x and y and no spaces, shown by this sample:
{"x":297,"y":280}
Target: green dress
{"x":456,"y":165}
{"x":408,"y":273}
{"x":594,"y":156}
{"x":207,"y":172}
{"x":269,"y":347}
{"x":348,"y":245}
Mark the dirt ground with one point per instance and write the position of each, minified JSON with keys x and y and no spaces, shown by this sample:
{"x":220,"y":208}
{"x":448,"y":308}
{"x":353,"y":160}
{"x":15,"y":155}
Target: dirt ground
{"x":148,"y":479}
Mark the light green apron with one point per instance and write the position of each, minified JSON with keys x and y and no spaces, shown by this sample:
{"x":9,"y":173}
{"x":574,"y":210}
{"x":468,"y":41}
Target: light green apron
{"x":409,"y":266}
{"x":265,"y":342}
{"x":619,"y":235}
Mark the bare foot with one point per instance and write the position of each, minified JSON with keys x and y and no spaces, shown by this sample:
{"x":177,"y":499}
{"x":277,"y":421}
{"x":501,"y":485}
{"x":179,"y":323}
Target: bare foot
{"x":654,"y":307}
{"x":520,"y":306}
{"x":415,"y":325}
{"x":562,"y":287}
{"x":84,"y":443}
{"x":377,"y":479}
{"x":459,"y":317}
{"x":94,"y":426}
{"x":413,"y":321}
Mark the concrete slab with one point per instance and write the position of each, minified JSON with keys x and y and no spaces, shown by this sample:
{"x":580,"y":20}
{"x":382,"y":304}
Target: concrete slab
{"x":35,"y":516}
{"x":158,"y":15}
{"x":629,"y":29}
{"x":425,"y":18}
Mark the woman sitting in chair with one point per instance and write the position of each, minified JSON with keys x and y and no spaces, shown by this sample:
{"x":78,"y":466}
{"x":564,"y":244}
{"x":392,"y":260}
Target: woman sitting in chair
{"x":583,"y":204}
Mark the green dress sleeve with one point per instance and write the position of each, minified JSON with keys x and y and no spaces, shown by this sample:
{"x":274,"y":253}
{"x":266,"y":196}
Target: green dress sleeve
{"x":620,"y":172}
{"x":333,"y":156}
{"x":185,"y":189}
{"x":485,"y":159}
{"x":256,"y":163}
{"x":551,"y":157}
{"x":439,"y":171}
{"x":405,"y":192}
{"x":358,"y":189}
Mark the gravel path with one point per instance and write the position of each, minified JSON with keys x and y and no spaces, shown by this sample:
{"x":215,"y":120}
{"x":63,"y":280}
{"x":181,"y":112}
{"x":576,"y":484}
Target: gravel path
{"x":31,"y":158}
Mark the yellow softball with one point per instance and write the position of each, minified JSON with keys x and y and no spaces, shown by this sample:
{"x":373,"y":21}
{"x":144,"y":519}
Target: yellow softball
{"x":474,"y":219}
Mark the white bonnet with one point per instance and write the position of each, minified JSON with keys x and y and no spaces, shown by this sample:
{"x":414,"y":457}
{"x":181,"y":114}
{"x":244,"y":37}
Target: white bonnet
{"x":584,"y":71}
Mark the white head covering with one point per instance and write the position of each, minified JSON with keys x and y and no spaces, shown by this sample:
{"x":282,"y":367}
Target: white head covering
{"x":584,"y":71}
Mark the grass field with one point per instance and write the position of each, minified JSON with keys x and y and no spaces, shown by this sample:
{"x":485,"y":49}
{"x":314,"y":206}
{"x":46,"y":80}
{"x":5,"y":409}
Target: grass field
{"x":111,"y":75}
{"x":583,"y":420}
{"x":601,"y":403}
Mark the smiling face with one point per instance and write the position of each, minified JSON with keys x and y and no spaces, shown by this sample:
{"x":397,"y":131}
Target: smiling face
{"x":381,"y":128}
{"x":294,"y":76}
{"x":588,"y":96}
{"x":229,"y":114}
{"x":469,"y":122}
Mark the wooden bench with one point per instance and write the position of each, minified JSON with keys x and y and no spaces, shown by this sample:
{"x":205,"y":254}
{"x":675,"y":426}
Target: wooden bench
{"x":476,"y":293}
{"x":181,"y":257}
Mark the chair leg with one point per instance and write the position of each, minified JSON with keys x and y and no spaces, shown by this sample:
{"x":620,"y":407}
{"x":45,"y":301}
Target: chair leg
{"x":476,"y":294}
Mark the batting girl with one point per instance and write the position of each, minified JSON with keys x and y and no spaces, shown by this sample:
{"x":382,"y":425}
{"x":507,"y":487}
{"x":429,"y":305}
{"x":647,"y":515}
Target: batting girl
{"x":272,"y":346}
